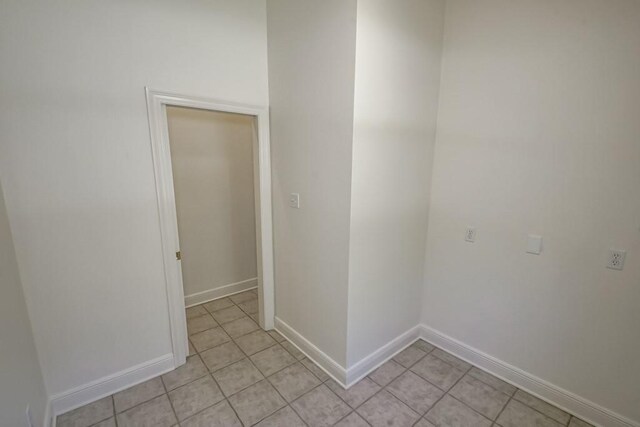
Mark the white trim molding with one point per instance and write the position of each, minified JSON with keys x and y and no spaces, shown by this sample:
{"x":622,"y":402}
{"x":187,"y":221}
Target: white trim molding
{"x":95,"y":390}
{"x":157,"y":102}
{"x":220,"y":292}
{"x":348,"y":377}
{"x":371,"y":362}
{"x":320,"y":358}
{"x":563,"y":399}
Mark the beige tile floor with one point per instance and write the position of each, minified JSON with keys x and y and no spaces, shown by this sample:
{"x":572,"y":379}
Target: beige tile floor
{"x":240,"y":375}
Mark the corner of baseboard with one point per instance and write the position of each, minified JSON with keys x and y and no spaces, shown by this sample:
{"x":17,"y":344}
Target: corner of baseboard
{"x":320,"y":358}
{"x":380,"y":356}
{"x":557,"y":396}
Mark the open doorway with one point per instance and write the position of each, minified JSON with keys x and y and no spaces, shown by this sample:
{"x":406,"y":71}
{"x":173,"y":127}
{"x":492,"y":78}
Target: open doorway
{"x":212,"y":168}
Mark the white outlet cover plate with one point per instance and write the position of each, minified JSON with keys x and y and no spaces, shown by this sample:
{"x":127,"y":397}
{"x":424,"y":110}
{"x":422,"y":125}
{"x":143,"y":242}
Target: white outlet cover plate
{"x":616,"y":259}
{"x":534,"y":244}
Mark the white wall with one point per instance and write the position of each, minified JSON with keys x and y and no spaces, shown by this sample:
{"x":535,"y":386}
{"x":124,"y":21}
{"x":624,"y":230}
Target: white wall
{"x":21,"y":382}
{"x":311,"y":69}
{"x":212,"y":161}
{"x":75,"y":161}
{"x":398,"y":51}
{"x":538,"y":132}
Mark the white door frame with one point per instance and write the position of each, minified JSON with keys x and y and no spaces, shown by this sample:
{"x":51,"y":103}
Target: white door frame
{"x":157,"y":102}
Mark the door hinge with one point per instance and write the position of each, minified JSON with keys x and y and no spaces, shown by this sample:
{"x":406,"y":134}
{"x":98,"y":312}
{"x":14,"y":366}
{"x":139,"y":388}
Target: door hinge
{"x":179,"y":255}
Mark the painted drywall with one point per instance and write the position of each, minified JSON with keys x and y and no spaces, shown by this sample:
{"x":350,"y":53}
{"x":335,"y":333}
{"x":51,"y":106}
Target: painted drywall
{"x":538,"y":132}
{"x":75,"y":161}
{"x":398,"y":51}
{"x":21,"y":383}
{"x":212,"y":162}
{"x":311,"y":78}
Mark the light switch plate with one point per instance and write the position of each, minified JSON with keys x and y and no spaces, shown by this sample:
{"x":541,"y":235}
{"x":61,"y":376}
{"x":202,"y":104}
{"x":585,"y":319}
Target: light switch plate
{"x":534,"y":244}
{"x":294,"y":200}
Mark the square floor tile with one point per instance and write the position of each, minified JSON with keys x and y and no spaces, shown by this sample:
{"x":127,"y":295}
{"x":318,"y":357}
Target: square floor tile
{"x":256,"y":402}
{"x":192,"y":370}
{"x":192,"y":349}
{"x":237,"y":376}
{"x":243,"y":296}
{"x":357,"y":394}
{"x":494,"y":382}
{"x":417,"y":393}
{"x":228,"y":314}
{"x":200,"y":323}
{"x":196,"y":311}
{"x":249,"y":307}
{"x":384,"y":409}
{"x":294,"y":381}
{"x":479,"y":396}
{"x":315,"y":369}
{"x":352,"y":420}
{"x":424,"y":346}
{"x":218,"y":304}
{"x":451,"y":359}
{"x":542,"y":406}
{"x":222,"y":356}
{"x":138,"y":394}
{"x":155,"y":413}
{"x":449,"y":412}
{"x":437,"y":372}
{"x":321,"y":407}
{"x":293,"y":350}
{"x":386,"y":373}
{"x":285,"y":417}
{"x":517,"y":414}
{"x":409,"y":356}
{"x":210,"y":338}
{"x":239,"y":327}
{"x":220,"y":415}
{"x":272,"y":360}
{"x":255,"y":342}
{"x":194,"y":397}
{"x":87,"y":415}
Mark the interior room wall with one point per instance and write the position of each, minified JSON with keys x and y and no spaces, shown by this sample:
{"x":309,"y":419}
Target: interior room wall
{"x":538,"y":132}
{"x":311,"y":78}
{"x":212,"y":161}
{"x":75,"y":161}
{"x":21,"y":383}
{"x":398,"y":51}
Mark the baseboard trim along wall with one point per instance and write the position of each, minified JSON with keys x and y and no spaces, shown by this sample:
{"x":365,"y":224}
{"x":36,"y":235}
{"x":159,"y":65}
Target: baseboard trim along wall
{"x":326,"y":363}
{"x":570,"y":402}
{"x":219,"y":292}
{"x":95,"y":390}
{"x":371,"y":362}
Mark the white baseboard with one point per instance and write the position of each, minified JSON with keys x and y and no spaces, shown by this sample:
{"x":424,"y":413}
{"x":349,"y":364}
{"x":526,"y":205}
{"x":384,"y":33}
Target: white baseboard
{"x":320,"y":358}
{"x":571,"y":403}
{"x":95,"y":390}
{"x":371,"y":362}
{"x":219,"y":292}
{"x":348,"y":377}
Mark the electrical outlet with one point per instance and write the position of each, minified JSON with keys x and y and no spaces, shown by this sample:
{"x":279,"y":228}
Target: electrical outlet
{"x":470,"y":235}
{"x":616,"y":259}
